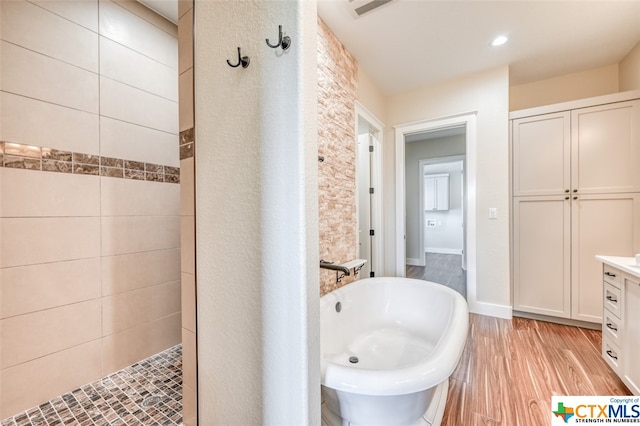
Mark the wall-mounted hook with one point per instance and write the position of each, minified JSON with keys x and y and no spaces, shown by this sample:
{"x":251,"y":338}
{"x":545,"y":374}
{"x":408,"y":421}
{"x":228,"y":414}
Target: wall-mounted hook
{"x":285,"y":41}
{"x":242,"y":60}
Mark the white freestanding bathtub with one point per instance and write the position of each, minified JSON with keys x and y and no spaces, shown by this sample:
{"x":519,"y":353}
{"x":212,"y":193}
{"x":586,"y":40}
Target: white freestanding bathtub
{"x":388,"y":347}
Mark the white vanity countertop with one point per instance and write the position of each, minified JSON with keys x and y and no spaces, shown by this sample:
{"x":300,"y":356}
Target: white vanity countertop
{"x":626,"y":264}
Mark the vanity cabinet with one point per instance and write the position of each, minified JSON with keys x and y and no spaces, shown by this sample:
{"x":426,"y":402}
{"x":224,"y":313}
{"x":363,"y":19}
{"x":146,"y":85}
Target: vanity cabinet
{"x":621,"y":319}
{"x":576,"y":193}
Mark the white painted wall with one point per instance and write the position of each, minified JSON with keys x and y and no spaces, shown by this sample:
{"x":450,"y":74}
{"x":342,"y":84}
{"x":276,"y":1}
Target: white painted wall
{"x":256,"y":215}
{"x":488,"y":94}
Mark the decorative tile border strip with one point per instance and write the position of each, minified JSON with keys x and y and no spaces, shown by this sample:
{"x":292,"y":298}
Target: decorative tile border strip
{"x":187,"y":143}
{"x":31,"y":157}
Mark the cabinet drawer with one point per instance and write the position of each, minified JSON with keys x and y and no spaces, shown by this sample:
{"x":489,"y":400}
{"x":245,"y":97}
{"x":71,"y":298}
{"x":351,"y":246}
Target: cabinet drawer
{"x":612,"y":355}
{"x":612,"y":276}
{"x":613,"y":300}
{"x":612,"y":328}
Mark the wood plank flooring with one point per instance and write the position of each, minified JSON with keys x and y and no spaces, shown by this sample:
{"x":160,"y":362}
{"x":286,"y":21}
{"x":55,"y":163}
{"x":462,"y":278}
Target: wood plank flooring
{"x":445,"y":269}
{"x":510,"y":369}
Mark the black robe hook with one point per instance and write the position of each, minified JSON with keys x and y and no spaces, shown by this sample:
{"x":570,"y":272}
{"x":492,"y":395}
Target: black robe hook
{"x":242,"y":60}
{"x":285,"y":41}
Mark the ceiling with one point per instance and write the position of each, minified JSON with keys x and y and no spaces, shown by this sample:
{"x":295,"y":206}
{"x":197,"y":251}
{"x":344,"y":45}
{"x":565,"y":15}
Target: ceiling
{"x":407,"y":44}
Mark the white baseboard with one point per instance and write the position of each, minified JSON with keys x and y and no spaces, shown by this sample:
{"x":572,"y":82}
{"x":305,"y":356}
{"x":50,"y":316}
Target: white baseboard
{"x":414,"y":262}
{"x":492,"y":310}
{"x":442,"y":250}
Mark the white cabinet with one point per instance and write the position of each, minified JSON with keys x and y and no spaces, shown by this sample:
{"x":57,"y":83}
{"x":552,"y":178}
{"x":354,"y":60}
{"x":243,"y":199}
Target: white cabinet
{"x":436,"y":192}
{"x":621,"y":319}
{"x":541,"y":255}
{"x":576,"y":186}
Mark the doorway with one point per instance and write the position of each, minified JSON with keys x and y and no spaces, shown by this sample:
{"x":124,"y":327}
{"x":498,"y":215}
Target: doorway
{"x":405,"y":135}
{"x":369,"y":191}
{"x":440,"y":213}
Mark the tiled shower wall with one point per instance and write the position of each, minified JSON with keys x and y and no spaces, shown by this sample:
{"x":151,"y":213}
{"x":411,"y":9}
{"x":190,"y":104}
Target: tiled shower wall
{"x":89,"y":194}
{"x":187,"y":213}
{"x":337,"y":80}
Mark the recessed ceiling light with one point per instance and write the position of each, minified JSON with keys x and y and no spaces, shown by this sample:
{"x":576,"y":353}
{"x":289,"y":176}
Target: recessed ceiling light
{"x":499,"y":41}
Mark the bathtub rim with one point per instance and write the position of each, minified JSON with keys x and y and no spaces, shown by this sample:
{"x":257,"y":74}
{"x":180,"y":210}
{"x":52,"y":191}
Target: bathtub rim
{"x":415,"y":378}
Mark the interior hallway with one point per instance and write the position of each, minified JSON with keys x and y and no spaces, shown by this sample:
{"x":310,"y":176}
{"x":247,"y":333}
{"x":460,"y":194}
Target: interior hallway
{"x":443,"y":269}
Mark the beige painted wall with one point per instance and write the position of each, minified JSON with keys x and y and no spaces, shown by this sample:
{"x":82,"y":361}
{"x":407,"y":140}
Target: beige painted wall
{"x":89,"y":256}
{"x":256,"y":204}
{"x":569,"y":87}
{"x":370,"y":96}
{"x":630,"y":70}
{"x":487,"y":94}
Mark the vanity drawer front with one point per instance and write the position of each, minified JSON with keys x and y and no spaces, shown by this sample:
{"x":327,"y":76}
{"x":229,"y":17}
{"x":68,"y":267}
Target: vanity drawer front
{"x":612,"y":328}
{"x":613,"y":299}
{"x":612,"y":355}
{"x":612,"y":276}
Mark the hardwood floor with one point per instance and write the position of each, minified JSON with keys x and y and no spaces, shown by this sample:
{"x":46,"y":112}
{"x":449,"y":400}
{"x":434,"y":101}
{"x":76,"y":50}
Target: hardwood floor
{"x":510,"y":369}
{"x":445,"y":269}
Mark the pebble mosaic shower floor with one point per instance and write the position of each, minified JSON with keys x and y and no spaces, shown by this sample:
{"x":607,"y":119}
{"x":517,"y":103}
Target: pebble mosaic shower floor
{"x":147,"y":393}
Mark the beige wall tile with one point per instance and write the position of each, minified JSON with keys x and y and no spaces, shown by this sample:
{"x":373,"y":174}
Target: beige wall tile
{"x":130,"y":67}
{"x":188,"y":302}
{"x":32,"y":288}
{"x":187,"y":244}
{"x":29,"y":384}
{"x":133,"y":105}
{"x":82,"y":12}
{"x":37,"y":76}
{"x":128,"y":197}
{"x":27,"y":193}
{"x":137,"y":270}
{"x":189,"y":407}
{"x":133,"y":234}
{"x":187,"y":187}
{"x":30,"y":336}
{"x":186,"y":100}
{"x":185,"y":41}
{"x":189,"y":360}
{"x":142,"y":11}
{"x":119,"y":139}
{"x":126,"y":310}
{"x":184,"y":6}
{"x":27,"y":241}
{"x":124,"y":27}
{"x":125,"y":348}
{"x":32,"y":122}
{"x":56,"y":37}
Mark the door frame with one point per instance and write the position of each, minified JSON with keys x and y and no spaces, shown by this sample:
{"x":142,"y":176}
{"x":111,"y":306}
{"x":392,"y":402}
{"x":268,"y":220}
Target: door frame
{"x":468,"y":120}
{"x":430,"y":162}
{"x":376,"y":182}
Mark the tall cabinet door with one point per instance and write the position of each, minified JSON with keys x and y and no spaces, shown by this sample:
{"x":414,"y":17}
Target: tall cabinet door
{"x":542,"y":255}
{"x":606,"y":223}
{"x":606,"y":148}
{"x":541,"y":154}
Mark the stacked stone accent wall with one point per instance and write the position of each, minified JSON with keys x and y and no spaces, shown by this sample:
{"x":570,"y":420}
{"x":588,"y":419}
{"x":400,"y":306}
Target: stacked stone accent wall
{"x":337,"y":80}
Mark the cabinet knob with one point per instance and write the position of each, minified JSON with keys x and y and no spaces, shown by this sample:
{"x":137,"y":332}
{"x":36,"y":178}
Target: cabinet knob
{"x":575,"y":190}
{"x":566,"y":190}
{"x":575,"y":198}
{"x":612,"y":354}
{"x":612,"y":327}
{"x":609,"y":274}
{"x":566,"y":198}
{"x":612,"y":299}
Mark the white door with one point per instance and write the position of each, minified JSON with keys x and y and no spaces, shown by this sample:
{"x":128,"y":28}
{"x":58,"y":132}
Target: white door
{"x":363,"y":187}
